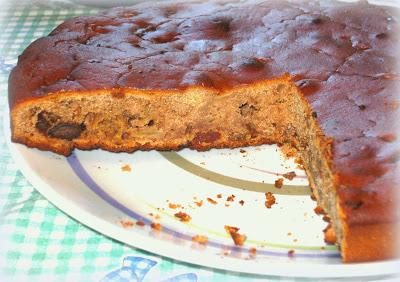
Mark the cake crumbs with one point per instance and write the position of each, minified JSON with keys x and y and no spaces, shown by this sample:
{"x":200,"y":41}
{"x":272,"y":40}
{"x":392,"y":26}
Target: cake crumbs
{"x":126,"y":168}
{"x":200,"y":239}
{"x":214,"y":202}
{"x":202,"y":163}
{"x":241,"y":202}
{"x":270,"y":200}
{"x":326,"y":218}
{"x":156,"y":226}
{"x":237,"y":238}
{"x":219,"y":196}
{"x":252,"y":252}
{"x":174,"y":206}
{"x":231,"y":198}
{"x":243,"y":151}
{"x":298,"y":161}
{"x":290,"y":253}
{"x":156,"y":216}
{"x":230,"y":229}
{"x":127,"y":223}
{"x":290,"y":175}
{"x":288,"y":151}
{"x":289,"y":233}
{"x":199,"y":203}
{"x":184,"y":217}
{"x":330,"y":236}
{"x":318,"y":210}
{"x":279,"y":183}
{"x":140,"y":223}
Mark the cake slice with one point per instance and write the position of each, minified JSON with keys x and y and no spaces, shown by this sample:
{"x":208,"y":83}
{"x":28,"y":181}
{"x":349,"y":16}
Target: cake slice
{"x":320,"y":76}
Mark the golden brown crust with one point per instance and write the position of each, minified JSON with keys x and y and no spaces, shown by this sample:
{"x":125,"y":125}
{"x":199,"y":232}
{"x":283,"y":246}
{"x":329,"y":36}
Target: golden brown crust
{"x":371,"y":242}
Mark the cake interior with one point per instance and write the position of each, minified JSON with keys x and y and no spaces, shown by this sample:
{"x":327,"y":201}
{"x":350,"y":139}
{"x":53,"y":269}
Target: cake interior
{"x":273,"y":111}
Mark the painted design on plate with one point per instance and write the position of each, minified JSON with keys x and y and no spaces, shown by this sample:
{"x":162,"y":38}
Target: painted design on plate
{"x":186,"y":234}
{"x":197,"y":170}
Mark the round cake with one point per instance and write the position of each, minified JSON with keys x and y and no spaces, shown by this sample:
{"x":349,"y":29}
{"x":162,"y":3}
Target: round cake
{"x":319,"y":76}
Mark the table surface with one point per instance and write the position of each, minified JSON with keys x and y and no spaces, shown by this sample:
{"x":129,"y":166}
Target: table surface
{"x":38,"y":241}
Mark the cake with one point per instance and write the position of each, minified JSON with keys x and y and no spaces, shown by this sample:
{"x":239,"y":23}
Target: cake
{"x":320,"y":76}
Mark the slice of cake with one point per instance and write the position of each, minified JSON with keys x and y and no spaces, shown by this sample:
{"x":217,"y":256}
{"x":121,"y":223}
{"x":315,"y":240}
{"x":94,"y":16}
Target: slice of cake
{"x":320,"y":76}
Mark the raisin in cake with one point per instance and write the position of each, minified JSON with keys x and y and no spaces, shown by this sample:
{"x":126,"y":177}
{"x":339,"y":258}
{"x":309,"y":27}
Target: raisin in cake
{"x":318,"y":75}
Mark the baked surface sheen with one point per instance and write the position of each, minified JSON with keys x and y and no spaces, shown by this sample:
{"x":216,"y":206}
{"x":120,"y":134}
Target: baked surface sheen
{"x":341,"y":55}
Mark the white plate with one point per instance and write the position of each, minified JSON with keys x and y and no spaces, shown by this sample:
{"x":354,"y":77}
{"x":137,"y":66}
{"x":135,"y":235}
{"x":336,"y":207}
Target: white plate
{"x":92,"y":187}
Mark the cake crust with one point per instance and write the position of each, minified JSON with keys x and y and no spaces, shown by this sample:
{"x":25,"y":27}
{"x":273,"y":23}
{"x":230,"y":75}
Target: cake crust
{"x":340,"y":55}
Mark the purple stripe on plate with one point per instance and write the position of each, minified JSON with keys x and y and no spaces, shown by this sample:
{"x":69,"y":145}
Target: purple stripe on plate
{"x":83,"y":175}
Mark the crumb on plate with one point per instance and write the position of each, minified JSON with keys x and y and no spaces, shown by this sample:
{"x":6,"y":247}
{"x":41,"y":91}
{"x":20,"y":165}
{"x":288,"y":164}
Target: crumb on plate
{"x":140,"y":223}
{"x":199,"y":203}
{"x":200,"y":239}
{"x":269,"y":200}
{"x":290,"y":175}
{"x":174,"y":206}
{"x":214,"y":202}
{"x":237,"y":238}
{"x":252,"y":252}
{"x":127,"y":223}
{"x":126,"y":168}
{"x":156,"y":226}
{"x":184,"y":217}
{"x":231,"y":198}
{"x":279,"y":183}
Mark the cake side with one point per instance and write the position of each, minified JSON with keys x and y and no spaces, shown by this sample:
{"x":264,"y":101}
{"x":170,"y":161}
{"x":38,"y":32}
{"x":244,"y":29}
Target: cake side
{"x":127,"y":120}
